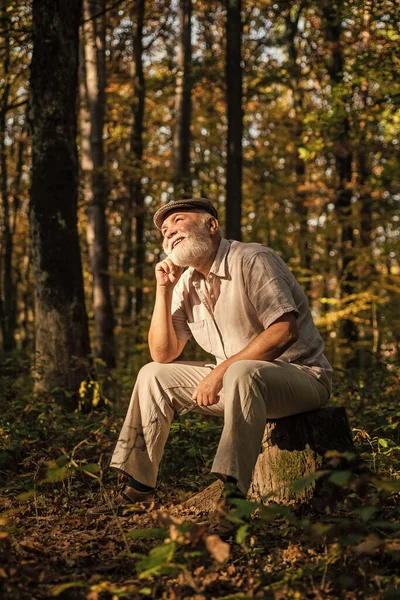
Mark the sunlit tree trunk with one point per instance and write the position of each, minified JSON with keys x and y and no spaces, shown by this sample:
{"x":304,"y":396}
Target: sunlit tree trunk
{"x":134,"y":205}
{"x":369,"y":333}
{"x":300,"y":199}
{"x":343,"y":153}
{"x":183,"y":109}
{"x":363,"y":168}
{"x":62,"y":337}
{"x":8,"y":288}
{"x":93,"y":167}
{"x":235,"y":119}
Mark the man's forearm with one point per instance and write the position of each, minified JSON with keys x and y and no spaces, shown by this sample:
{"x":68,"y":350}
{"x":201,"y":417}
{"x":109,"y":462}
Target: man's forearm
{"x":163,"y":342}
{"x":268,"y":345}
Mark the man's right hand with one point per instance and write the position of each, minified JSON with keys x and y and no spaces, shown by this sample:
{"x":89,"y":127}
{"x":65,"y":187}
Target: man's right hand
{"x":168,"y":274}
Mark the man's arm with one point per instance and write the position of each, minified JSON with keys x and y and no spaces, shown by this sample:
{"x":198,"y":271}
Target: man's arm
{"x":268,"y":345}
{"x":163,"y":343}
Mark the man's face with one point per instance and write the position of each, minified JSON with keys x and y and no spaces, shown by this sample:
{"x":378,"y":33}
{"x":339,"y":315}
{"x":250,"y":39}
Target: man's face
{"x":187,"y":239}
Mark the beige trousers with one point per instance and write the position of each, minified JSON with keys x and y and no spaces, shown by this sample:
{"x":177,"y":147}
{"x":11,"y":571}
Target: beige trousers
{"x":253,"y":391}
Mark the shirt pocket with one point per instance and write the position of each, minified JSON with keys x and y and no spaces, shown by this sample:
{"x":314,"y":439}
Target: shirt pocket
{"x":201,"y":334}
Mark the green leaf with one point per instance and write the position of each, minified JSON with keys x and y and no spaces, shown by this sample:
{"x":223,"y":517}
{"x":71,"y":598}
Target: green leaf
{"x":340,"y":477}
{"x":66,"y":586}
{"x":25,"y":495}
{"x":90,"y":468}
{"x":243,"y":508}
{"x":389,"y":525}
{"x":54,"y":475}
{"x":320,"y":529}
{"x":382,"y":442}
{"x":272,"y":511}
{"x":62,"y":460}
{"x":159,"y":557}
{"x":387,"y":485}
{"x":241,"y":534}
{"x":301,"y":484}
{"x":365,"y":513}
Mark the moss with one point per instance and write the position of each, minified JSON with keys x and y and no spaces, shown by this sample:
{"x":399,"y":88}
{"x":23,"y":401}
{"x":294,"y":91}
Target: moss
{"x":288,"y":466}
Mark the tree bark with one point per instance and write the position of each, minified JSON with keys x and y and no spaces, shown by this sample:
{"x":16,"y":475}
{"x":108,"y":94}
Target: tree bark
{"x":233,"y":203}
{"x":342,"y":149}
{"x":134,"y":205}
{"x":183,"y":107}
{"x":94,"y":179}
{"x":300,"y":199}
{"x":293,"y":448}
{"x":8,"y":288}
{"x":62,"y":337}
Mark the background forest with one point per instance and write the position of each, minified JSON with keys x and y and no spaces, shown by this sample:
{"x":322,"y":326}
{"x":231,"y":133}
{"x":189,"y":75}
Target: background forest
{"x":286,"y":115}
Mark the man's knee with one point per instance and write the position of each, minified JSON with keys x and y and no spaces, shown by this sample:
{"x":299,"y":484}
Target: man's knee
{"x":242,"y":371}
{"x":151,"y":372}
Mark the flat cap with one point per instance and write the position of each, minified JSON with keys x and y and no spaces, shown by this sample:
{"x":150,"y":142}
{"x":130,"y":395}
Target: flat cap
{"x":188,"y":204}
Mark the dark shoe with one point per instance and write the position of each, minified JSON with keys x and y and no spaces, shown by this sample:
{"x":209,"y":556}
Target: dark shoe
{"x":125,"y":499}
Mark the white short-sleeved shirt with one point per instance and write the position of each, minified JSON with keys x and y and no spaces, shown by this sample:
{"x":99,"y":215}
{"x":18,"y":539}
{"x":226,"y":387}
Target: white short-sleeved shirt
{"x":247,"y":289}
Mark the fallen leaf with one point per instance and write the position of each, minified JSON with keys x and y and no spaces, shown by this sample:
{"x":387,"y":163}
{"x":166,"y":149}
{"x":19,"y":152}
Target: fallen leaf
{"x":218,"y":549}
{"x":369,"y":546}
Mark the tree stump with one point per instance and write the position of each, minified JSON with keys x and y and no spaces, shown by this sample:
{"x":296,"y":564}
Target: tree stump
{"x":292,"y":448}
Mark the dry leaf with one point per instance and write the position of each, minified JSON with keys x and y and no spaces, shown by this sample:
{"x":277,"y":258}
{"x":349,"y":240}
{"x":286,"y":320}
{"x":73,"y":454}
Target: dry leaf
{"x":218,"y":549}
{"x":369,"y":546}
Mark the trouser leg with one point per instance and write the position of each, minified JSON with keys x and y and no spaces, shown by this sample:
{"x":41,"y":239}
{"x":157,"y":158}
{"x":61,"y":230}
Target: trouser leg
{"x":160,"y":390}
{"x":255,"y":391}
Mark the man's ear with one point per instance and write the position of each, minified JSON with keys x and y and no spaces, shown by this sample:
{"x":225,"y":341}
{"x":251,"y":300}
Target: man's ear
{"x":213,"y":225}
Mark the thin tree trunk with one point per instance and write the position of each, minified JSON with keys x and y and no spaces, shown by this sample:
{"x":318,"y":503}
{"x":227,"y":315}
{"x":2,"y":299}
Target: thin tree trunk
{"x":62,"y":337}
{"x":183,"y":108}
{"x":135,"y":201}
{"x":300,"y":199}
{"x":367,"y":271}
{"x":235,"y":119}
{"x":342,"y":150}
{"x":363,"y":169}
{"x":8,"y":300}
{"x":95,"y":182}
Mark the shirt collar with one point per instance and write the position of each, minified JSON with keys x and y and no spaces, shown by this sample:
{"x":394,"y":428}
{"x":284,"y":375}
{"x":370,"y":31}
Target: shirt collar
{"x":220,"y":264}
{"x":219,"y":268}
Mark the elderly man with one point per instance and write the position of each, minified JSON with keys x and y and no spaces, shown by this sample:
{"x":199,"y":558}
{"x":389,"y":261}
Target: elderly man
{"x":241,"y":304}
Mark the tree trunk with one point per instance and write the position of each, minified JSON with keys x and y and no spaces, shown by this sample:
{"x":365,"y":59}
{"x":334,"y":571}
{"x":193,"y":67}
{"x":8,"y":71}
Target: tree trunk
{"x":293,"y":448}
{"x":134,"y":205}
{"x":94,"y":179}
{"x":300,"y":198}
{"x":183,"y":108}
{"x":342,"y":149}
{"x":8,"y":297}
{"x":62,"y":337}
{"x":233,"y":204}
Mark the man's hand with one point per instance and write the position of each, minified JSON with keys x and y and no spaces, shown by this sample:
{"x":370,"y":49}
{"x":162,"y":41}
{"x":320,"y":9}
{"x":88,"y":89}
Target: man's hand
{"x":168,"y":274}
{"x":206,"y":393}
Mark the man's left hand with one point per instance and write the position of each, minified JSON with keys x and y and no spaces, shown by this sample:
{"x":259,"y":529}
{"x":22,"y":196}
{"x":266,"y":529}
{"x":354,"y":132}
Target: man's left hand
{"x":206,"y":393}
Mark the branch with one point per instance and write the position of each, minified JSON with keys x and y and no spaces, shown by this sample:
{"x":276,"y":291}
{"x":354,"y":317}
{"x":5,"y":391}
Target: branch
{"x":102,"y":12}
{"x":16,"y":105}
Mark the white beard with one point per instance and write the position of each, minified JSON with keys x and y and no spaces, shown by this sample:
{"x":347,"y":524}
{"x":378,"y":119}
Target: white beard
{"x":193,"y":250}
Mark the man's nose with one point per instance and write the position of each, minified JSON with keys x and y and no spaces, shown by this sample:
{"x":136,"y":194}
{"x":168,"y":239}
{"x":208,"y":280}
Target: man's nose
{"x":170,"y":232}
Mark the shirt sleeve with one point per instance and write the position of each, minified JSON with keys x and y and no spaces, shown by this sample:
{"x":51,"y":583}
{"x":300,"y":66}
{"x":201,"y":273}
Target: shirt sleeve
{"x":179,"y":316}
{"x":267,"y":281}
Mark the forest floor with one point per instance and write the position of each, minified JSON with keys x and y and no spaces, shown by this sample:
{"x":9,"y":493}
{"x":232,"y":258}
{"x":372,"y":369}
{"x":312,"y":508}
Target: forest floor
{"x":53,"y":468}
